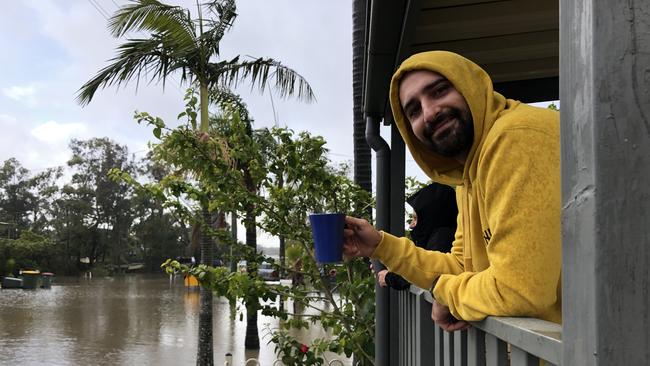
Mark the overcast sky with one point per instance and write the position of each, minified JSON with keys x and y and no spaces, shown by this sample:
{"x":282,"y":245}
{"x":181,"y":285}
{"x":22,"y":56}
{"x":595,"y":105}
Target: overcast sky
{"x":51,"y":47}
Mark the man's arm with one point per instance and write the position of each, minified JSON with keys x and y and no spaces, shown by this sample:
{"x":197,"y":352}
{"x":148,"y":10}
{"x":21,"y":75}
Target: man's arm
{"x":418,"y":265}
{"x":520,"y":182}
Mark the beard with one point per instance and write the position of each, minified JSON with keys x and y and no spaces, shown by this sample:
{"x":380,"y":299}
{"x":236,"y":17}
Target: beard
{"x":454,"y":138}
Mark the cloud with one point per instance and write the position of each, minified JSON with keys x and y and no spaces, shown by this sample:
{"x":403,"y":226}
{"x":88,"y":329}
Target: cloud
{"x":7,"y":120}
{"x":313,"y":38}
{"x":24,"y":94}
{"x":52,"y":131}
{"x":38,"y":146}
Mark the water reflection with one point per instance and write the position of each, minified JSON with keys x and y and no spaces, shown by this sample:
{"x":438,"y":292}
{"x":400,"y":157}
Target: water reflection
{"x":143,"y":320}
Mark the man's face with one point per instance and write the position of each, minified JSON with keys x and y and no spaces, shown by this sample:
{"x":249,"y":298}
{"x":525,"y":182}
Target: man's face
{"x":439,"y":115}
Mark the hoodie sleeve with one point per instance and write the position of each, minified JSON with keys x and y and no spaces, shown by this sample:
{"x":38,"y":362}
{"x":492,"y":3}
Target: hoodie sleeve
{"x":521,"y":191}
{"x":417,"y":265}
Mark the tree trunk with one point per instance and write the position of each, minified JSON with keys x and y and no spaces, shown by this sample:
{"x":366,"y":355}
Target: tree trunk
{"x":252,"y":340}
{"x":362,"y":154}
{"x":204,"y":356}
{"x":233,"y":228}
{"x":283,"y":261}
{"x":204,"y":115}
{"x":282,"y":239}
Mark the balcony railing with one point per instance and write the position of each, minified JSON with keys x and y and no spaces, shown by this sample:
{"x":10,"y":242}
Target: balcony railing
{"x":494,"y":341}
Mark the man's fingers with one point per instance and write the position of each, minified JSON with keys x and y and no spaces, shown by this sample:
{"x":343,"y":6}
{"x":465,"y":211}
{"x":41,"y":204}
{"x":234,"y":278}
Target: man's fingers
{"x":351,"y":250}
{"x":444,"y":326}
{"x":453,"y":326}
{"x":353,"y":222}
{"x":459,"y":325}
{"x":348,"y":232}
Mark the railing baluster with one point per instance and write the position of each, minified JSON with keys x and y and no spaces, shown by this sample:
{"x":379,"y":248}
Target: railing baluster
{"x":403,"y":324}
{"x":495,"y":351}
{"x":407,"y":335}
{"x":519,"y":357}
{"x":417,"y":329}
{"x":413,"y":327}
{"x":425,"y":336}
{"x":440,"y":349}
{"x":411,"y":335}
{"x":475,"y":347}
{"x":410,"y":338}
{"x":460,"y":348}
{"x":484,"y":344}
{"x":449,"y":348}
{"x":416,"y":341}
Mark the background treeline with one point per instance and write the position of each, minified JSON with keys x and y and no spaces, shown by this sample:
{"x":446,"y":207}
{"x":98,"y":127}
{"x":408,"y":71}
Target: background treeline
{"x":69,"y":219}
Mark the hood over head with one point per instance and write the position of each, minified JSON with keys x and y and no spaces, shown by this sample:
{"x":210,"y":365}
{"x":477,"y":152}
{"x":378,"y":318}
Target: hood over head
{"x":474,"y":84}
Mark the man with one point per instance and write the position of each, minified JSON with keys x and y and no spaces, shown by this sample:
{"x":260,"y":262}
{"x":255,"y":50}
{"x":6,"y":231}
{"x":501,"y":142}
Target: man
{"x":504,"y":156}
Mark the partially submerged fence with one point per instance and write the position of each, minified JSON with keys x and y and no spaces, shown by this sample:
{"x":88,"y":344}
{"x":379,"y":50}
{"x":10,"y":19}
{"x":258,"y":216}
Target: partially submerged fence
{"x":495,"y":341}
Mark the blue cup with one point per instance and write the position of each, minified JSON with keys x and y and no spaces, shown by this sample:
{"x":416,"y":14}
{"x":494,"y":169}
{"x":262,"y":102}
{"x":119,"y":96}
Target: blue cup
{"x":327,"y":231}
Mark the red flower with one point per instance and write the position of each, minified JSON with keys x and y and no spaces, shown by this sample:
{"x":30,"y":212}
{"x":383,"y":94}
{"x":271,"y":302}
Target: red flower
{"x":304,"y":348}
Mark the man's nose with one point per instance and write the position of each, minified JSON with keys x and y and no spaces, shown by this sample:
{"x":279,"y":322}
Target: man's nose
{"x":429,"y":111}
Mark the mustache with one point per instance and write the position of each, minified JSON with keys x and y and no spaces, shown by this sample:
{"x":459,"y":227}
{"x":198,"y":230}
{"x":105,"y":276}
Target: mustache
{"x":441,"y":117}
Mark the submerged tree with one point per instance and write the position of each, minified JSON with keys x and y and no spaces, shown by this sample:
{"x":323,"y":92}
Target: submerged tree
{"x":180,"y":44}
{"x":291,"y":178}
{"x":99,"y":207}
{"x":26,"y":217}
{"x":297,"y":180}
{"x":25,"y":198}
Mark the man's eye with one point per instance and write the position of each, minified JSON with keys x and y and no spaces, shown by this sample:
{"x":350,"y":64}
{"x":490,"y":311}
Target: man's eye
{"x":440,"y":89}
{"x":412,"y":113}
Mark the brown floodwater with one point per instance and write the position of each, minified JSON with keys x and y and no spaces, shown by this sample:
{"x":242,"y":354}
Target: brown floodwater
{"x":125,"y":320}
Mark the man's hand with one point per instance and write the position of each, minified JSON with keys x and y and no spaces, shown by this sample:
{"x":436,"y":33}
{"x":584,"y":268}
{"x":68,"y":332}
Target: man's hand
{"x":441,"y":316}
{"x":381,"y":277}
{"x":360,"y":238}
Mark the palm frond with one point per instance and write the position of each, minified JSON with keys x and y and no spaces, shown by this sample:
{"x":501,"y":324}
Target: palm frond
{"x":156,"y":17}
{"x":137,"y":57}
{"x":225,"y":98}
{"x":226,"y":12}
{"x":287,"y":81}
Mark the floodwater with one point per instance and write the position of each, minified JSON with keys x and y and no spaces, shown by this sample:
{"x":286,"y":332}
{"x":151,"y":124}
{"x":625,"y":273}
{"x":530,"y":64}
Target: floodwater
{"x":126,"y":320}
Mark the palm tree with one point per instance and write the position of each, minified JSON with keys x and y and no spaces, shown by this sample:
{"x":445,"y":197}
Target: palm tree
{"x":180,"y":44}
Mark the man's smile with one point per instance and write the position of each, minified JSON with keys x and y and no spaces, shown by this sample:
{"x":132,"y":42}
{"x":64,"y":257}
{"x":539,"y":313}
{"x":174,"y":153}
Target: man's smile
{"x":442,"y":128}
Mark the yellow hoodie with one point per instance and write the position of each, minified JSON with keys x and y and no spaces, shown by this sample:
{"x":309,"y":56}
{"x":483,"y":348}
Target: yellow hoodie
{"x":506,"y":255}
